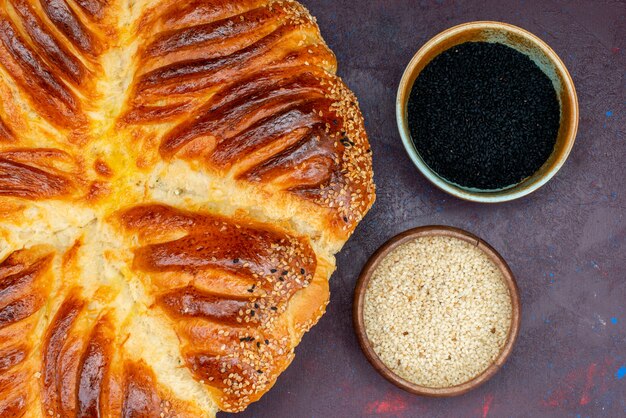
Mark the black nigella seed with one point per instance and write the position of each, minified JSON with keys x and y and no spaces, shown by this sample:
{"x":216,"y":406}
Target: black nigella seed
{"x":285,"y":272}
{"x":259,"y":371}
{"x":345,"y":219}
{"x":252,"y":313}
{"x":274,"y":308}
{"x":281,"y":279}
{"x":256,"y":305}
{"x":236,"y":260}
{"x":267,"y":342}
{"x":258,"y":344}
{"x":302,"y":271}
{"x":483,"y":115}
{"x":273,"y":271}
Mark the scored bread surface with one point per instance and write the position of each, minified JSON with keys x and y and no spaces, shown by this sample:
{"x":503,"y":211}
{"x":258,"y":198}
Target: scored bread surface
{"x":175,"y":179}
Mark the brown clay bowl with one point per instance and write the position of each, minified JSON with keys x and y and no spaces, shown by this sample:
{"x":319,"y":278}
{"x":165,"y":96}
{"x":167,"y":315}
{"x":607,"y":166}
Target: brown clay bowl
{"x":526,"y":43}
{"x":359,"y":301}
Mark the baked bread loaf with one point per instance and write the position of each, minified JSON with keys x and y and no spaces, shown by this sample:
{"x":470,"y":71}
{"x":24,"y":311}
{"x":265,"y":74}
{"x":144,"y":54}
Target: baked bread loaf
{"x":175,"y":179}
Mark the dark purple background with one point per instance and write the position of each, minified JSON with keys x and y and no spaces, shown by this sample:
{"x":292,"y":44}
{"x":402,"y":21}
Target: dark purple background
{"x":566,"y":243}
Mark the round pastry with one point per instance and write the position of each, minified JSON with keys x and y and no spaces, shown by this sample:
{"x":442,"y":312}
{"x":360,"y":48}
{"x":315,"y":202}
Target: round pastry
{"x":175,"y":179}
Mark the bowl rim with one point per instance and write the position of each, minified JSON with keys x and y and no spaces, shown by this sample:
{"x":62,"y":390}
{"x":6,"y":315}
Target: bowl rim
{"x":359,"y":302}
{"x":516,"y":191}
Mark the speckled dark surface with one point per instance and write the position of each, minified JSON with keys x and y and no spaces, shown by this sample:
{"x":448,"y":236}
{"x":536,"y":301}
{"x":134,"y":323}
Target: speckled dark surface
{"x":566,"y":243}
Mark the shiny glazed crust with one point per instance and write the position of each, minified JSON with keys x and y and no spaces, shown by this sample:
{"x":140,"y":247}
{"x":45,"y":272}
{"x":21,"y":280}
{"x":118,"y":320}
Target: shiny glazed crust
{"x":175,"y":179}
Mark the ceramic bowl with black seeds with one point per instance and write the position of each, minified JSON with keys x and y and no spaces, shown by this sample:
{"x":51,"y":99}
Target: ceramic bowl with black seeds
{"x":487,"y":111}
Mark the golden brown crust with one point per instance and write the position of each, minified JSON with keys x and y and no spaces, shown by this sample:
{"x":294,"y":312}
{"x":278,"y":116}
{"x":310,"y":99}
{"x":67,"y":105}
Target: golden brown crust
{"x":252,"y":94}
{"x":175,"y":178}
{"x":24,"y":285}
{"x":34,"y":77}
{"x":35,"y":173}
{"x":224,"y":285}
{"x":6,"y":133}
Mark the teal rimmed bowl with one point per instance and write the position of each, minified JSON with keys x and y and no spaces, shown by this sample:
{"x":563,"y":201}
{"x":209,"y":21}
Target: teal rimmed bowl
{"x":543,"y":56}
